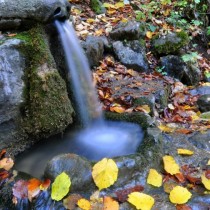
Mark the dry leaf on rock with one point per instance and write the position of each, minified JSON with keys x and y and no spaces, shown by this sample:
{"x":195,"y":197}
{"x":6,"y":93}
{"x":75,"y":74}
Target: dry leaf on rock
{"x":170,"y":165}
{"x":185,"y":152}
{"x":33,"y":188}
{"x":71,"y":201}
{"x":60,"y":187}
{"x":6,"y":163}
{"x":84,"y":204}
{"x":179,"y":195}
{"x":205,"y":181}
{"x":154,"y":178}
{"x":105,"y":173}
{"x":110,"y":204}
{"x":141,"y":201}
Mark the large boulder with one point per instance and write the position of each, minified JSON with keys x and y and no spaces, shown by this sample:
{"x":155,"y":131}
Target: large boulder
{"x":16,"y":13}
{"x":34,"y":99}
{"x":170,"y":43}
{"x":132,"y":54}
{"x":188,"y":73}
{"x":203,"y":103}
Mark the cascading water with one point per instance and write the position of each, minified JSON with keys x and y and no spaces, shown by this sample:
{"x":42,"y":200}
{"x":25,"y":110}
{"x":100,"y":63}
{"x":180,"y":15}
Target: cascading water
{"x":98,"y":138}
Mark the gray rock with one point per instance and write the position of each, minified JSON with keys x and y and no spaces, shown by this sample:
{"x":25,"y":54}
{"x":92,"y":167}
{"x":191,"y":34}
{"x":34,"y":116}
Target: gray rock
{"x":126,"y":31}
{"x":78,"y":168}
{"x":15,"y":13}
{"x":170,"y":43}
{"x":203,"y":103}
{"x":202,"y":90}
{"x":187,"y":73}
{"x":94,"y":49}
{"x":131,"y":54}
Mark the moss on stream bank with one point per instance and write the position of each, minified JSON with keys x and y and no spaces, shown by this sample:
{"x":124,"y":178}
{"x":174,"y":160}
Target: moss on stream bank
{"x":47,"y":109}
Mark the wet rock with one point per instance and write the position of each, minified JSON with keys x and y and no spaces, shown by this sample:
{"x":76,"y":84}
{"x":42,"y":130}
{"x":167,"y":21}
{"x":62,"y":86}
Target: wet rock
{"x":170,"y":43}
{"x":94,"y":49}
{"x":202,"y":90}
{"x":32,"y":90}
{"x":78,"y":168}
{"x":203,"y":103}
{"x":187,"y":73}
{"x":126,"y":31}
{"x":16,"y":13}
{"x":131,"y":54}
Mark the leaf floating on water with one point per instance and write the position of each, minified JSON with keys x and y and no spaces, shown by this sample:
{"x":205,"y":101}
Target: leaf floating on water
{"x":170,"y":165}
{"x":60,"y":187}
{"x":179,"y":195}
{"x":105,"y":173}
{"x":141,"y":201}
{"x":184,"y":152}
{"x":110,"y":204}
{"x":84,"y":204}
{"x":154,"y":178}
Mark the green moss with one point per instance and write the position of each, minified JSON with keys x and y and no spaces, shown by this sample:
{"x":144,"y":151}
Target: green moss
{"x":96,"y":6}
{"x":47,"y":109}
{"x":171,"y":43}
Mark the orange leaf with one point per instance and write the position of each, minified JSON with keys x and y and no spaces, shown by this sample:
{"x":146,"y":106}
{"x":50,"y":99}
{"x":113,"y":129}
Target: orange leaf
{"x":110,"y":204}
{"x":33,"y":188}
{"x":117,"y":109}
{"x":45,"y":184}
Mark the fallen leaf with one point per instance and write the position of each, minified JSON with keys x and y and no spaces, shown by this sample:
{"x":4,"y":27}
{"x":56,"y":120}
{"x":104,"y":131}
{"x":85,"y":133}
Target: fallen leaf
{"x":144,"y":108}
{"x":141,"y":201}
{"x":60,"y":187}
{"x":184,"y":152}
{"x":180,"y":177}
{"x":71,"y":201}
{"x":110,"y":204}
{"x":205,"y":181}
{"x":6,"y":163}
{"x":179,"y":195}
{"x":183,"y":207}
{"x":105,"y":173}
{"x":20,"y":189}
{"x":117,"y":109}
{"x":45,"y":184}
{"x":122,"y":195}
{"x":154,"y":178}
{"x":149,"y":34}
{"x":165,"y":128}
{"x":33,"y":188}
{"x":170,"y":165}
{"x":208,"y":163}
{"x":84,"y":204}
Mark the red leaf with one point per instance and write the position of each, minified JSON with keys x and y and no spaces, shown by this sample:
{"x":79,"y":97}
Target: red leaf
{"x":122,"y":195}
{"x":180,"y":177}
{"x":2,"y":153}
{"x":183,"y":207}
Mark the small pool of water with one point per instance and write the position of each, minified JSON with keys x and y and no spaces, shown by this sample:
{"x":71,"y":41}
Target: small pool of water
{"x":109,"y":139}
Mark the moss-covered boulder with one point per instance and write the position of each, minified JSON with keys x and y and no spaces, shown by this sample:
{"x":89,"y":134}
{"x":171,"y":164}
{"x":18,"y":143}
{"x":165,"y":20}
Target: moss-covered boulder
{"x":170,"y":43}
{"x":97,"y":7}
{"x":44,"y":108}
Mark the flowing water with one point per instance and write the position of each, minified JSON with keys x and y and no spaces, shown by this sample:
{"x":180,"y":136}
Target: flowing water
{"x":98,"y":138}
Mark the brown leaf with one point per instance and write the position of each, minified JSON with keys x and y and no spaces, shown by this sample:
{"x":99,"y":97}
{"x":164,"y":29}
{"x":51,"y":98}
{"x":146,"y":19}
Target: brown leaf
{"x":71,"y":201}
{"x":2,"y":153}
{"x":122,"y":195}
{"x":183,"y":207}
{"x":110,"y":204}
{"x":180,"y":177}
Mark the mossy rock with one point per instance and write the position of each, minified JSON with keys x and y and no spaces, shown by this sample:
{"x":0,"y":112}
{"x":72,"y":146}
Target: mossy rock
{"x":171,"y":43}
{"x":143,"y":119}
{"x":97,"y":7}
{"x":47,"y":109}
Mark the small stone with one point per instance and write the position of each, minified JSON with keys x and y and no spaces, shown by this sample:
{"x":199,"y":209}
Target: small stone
{"x":204,"y":103}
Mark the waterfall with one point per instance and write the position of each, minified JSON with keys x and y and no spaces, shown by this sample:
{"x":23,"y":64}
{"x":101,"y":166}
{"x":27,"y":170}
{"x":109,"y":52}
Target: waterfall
{"x":87,"y":101}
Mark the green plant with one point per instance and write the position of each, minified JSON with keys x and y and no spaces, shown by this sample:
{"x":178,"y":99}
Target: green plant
{"x":208,"y":31}
{"x":193,"y":56}
{"x":161,"y":70}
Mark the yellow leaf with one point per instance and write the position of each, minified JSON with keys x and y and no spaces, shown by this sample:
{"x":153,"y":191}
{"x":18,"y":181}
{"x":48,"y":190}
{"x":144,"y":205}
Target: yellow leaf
{"x":149,"y":34}
{"x":90,"y":20}
{"x":166,"y":12}
{"x":119,"y":5}
{"x":105,"y":173}
{"x":205,"y":181}
{"x":141,"y":201}
{"x":107,"y":5}
{"x":60,"y":187}
{"x":154,"y":178}
{"x":84,"y":204}
{"x":117,"y":109}
{"x":170,"y":165}
{"x":185,"y":152}
{"x":179,"y":195}
{"x":144,"y":108}
{"x":208,"y":163}
{"x":165,"y":128}
{"x":110,"y":204}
